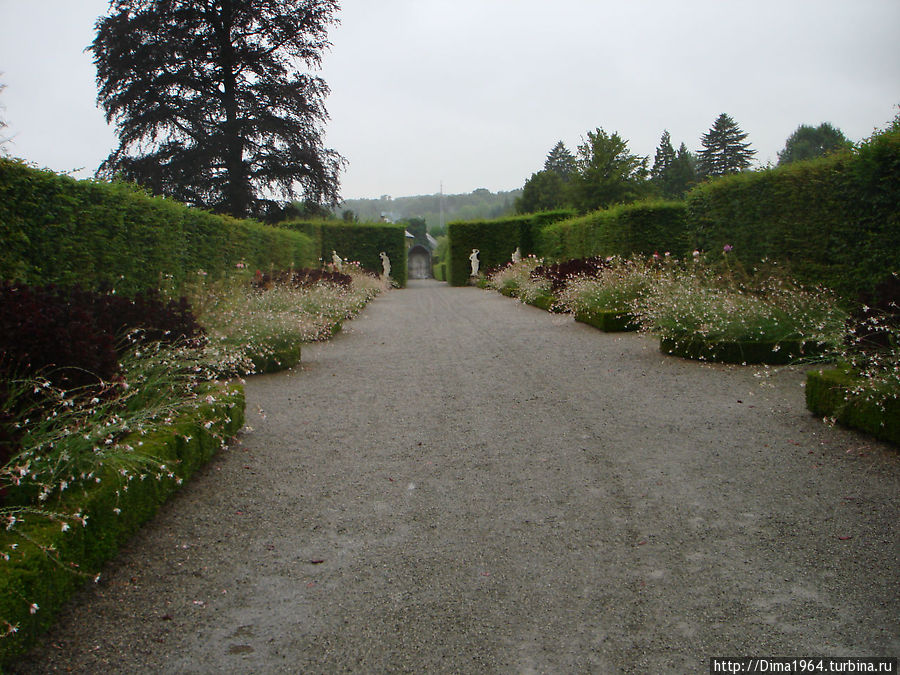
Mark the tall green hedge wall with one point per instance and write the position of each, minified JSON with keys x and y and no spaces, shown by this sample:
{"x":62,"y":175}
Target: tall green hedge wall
{"x":495,"y":239}
{"x":358,"y":242}
{"x":363,"y":242}
{"x":833,"y":221}
{"x":644,"y":227}
{"x":56,"y":229}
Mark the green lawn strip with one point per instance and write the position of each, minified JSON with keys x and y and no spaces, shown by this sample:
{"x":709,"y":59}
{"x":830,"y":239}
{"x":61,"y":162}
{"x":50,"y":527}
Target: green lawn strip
{"x":737,"y":351}
{"x":115,"y":509}
{"x":827,"y":395}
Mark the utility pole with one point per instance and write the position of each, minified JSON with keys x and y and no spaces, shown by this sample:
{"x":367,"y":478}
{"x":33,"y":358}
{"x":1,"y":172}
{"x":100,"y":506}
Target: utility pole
{"x":441,"y":207}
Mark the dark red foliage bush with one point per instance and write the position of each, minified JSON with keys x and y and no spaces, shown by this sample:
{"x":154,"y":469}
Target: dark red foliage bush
{"x":878,"y":311}
{"x":55,"y":332}
{"x":74,"y":338}
{"x":560,"y":273}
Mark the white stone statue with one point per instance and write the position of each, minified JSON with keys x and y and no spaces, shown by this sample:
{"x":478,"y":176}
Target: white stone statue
{"x":517,"y":256}
{"x":474,"y":260}
{"x":385,"y":265}
{"x":336,"y":260}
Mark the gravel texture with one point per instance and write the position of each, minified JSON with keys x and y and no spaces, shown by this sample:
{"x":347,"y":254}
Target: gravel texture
{"x":461,"y":483}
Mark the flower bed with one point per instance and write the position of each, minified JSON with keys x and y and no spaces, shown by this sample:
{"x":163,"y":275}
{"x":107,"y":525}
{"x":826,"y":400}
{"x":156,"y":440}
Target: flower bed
{"x":711,"y":315}
{"x":604,"y":298}
{"x":544,"y":301}
{"x":86,"y":463}
{"x":46,"y":560}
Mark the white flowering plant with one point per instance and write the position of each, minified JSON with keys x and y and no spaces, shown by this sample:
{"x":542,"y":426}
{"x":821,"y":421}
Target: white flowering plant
{"x":614,"y":287}
{"x":694,"y":303}
{"x":514,"y":278}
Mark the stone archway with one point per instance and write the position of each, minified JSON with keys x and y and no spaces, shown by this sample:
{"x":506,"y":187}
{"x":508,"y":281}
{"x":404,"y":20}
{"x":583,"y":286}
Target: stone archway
{"x":419,"y":263}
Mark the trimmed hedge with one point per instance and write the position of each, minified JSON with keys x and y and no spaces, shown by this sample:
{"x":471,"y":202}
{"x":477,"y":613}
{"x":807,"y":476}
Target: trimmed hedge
{"x":608,"y":322}
{"x":746,"y":352}
{"x":640,"y":228}
{"x":363,"y":242}
{"x":31,"y":576}
{"x":358,"y":242}
{"x":834,"y":221}
{"x":56,"y":229}
{"x":826,"y":396}
{"x":495,"y":239}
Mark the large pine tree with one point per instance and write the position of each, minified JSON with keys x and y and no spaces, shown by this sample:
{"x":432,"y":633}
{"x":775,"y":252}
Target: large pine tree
{"x":209,"y":105}
{"x":665,"y":155}
{"x":561,"y":161}
{"x":724,"y":150}
{"x":673,"y":172}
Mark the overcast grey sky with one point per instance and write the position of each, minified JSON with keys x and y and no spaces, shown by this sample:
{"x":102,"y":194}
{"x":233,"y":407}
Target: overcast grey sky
{"x":474,"y":93}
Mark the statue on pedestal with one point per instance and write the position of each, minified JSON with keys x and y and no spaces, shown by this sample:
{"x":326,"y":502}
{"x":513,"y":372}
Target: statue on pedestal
{"x":385,"y":265}
{"x":474,"y":260}
{"x":517,"y":256}
{"x":336,"y":261}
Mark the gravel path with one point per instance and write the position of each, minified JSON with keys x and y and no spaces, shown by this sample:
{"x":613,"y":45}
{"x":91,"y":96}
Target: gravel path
{"x":460,"y":483}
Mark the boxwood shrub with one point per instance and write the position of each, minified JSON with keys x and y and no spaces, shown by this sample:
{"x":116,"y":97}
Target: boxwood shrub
{"x":827,"y":396}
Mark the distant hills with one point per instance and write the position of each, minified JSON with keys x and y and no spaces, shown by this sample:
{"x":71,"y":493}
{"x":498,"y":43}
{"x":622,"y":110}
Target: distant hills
{"x":476,"y":205}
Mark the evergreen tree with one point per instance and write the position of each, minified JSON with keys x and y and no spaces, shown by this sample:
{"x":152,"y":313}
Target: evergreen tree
{"x":665,"y":155}
{"x":810,"y":142}
{"x":547,"y":189}
{"x":682,"y":174}
{"x":673,"y":172}
{"x":560,"y":161}
{"x":724,"y":151}
{"x":209,"y":105}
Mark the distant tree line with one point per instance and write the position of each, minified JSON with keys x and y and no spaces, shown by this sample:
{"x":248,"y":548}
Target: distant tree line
{"x":603,"y":171}
{"x":435,"y":210}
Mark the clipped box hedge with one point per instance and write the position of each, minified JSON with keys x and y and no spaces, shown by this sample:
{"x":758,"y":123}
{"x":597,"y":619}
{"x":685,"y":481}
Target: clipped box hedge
{"x":827,"y":396}
{"x":609,"y":321}
{"x":739,"y":352}
{"x":56,"y":229}
{"x":31,"y":576}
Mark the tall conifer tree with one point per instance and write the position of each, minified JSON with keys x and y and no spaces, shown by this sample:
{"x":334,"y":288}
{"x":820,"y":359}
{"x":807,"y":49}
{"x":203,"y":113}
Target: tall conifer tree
{"x":560,"y":161}
{"x":209,"y":105}
{"x":724,"y":150}
{"x":665,"y":155}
